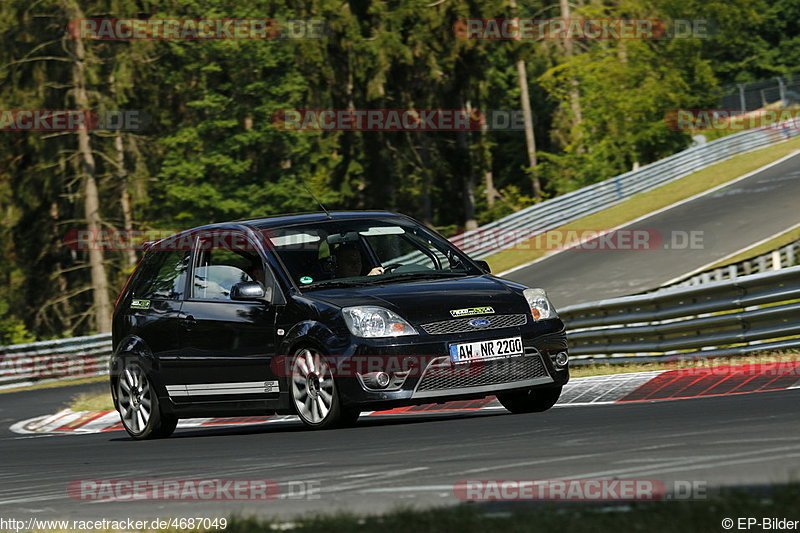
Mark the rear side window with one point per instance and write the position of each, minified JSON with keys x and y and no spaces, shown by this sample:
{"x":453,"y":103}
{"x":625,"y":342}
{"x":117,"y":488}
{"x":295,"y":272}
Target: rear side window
{"x":162,"y":276}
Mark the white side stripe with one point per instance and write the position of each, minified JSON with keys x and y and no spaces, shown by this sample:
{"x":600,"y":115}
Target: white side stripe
{"x":213,"y":389}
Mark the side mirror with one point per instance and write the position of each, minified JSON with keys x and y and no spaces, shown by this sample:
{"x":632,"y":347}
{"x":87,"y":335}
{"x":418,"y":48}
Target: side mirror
{"x":248,"y":291}
{"x":484,"y":265}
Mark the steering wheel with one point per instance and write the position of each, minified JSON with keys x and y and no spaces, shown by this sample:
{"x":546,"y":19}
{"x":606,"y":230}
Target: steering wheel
{"x":392,"y":266}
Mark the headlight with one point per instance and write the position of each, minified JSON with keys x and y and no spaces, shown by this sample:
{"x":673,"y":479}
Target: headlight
{"x":372,"y":321}
{"x":541,"y":308}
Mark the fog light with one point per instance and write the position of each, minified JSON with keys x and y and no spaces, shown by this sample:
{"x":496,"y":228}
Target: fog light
{"x":562,"y":359}
{"x":382,"y":379}
{"x":375,"y":380}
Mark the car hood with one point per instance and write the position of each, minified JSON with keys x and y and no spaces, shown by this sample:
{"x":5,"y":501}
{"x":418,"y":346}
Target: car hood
{"x":425,"y":301}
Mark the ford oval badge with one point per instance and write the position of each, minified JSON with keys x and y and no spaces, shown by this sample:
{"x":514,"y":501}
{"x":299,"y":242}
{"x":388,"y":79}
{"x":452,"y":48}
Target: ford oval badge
{"x":479,"y":323}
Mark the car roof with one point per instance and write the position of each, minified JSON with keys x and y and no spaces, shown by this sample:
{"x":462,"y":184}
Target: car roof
{"x":300,"y":218}
{"x":277,"y":221}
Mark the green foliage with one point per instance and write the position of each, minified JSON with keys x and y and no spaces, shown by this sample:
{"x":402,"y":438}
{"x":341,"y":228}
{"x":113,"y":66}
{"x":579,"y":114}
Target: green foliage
{"x":12,"y":330}
{"x":511,"y":200}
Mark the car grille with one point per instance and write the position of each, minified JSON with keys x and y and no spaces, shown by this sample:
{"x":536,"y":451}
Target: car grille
{"x":461,"y":325}
{"x":443,"y":376}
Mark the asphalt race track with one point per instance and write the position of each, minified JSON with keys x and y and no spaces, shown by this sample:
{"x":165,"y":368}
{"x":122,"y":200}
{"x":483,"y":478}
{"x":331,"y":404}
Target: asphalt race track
{"x":730,"y":219}
{"x":748,"y":439}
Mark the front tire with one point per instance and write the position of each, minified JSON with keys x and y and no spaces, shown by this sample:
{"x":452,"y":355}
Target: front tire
{"x":349,"y":417}
{"x":531,"y":400}
{"x":138,"y":406}
{"x":314,"y":395}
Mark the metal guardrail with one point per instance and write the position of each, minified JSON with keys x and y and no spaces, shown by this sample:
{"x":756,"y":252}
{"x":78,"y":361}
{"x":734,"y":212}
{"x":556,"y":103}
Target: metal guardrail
{"x":783,"y":257}
{"x":537,"y":219}
{"x":728,"y":318}
{"x":63,"y":358}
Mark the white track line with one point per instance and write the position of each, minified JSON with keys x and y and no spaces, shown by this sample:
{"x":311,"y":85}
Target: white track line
{"x":743,"y":250}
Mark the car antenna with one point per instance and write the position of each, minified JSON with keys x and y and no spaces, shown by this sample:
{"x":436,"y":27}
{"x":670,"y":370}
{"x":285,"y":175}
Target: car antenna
{"x":327,"y":213}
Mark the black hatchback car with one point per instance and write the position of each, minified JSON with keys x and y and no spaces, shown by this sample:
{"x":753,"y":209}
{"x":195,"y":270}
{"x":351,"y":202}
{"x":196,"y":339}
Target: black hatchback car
{"x":324,"y":315}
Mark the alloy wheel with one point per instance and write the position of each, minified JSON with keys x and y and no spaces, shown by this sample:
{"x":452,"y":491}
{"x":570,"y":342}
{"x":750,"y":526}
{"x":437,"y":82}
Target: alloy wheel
{"x":312,"y":386}
{"x":135,"y":398}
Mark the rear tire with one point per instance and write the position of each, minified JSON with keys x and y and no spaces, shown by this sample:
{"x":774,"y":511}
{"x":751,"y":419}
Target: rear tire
{"x":167,"y":428}
{"x":531,"y":400}
{"x":138,"y":405}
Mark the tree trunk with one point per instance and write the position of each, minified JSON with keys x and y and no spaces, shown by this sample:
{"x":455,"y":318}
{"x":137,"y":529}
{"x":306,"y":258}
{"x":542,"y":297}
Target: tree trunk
{"x":574,"y":94}
{"x":486,"y":162}
{"x":125,"y":199}
{"x":125,"y":194}
{"x":427,"y":179}
{"x":491,"y":192}
{"x":65,"y":310}
{"x":527,"y":116}
{"x":470,"y":222}
{"x":91,"y":200}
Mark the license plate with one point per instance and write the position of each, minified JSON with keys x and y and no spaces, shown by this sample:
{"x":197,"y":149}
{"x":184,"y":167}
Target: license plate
{"x":475,"y":351}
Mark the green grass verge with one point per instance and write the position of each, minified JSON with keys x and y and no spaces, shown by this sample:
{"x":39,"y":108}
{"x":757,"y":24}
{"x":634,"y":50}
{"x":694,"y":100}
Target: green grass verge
{"x":650,"y":201}
{"x":56,"y":384}
{"x":98,"y":399}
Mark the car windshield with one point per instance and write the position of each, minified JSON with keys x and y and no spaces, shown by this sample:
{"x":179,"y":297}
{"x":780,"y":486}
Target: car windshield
{"x":365,"y":251}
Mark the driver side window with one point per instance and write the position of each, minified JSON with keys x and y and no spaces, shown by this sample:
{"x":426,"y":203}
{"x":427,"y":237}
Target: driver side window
{"x":219,"y":267}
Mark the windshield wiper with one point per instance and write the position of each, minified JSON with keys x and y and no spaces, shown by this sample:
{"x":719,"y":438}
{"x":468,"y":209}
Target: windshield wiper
{"x":421,"y":275}
{"x":334,"y":284}
{"x":373,"y":280}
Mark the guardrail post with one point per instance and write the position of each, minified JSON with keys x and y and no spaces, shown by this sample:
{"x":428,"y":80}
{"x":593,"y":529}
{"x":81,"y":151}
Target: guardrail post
{"x":776,"y":260}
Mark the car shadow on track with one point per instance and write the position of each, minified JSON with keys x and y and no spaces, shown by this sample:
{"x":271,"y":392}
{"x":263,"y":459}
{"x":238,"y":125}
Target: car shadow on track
{"x":297,"y":427}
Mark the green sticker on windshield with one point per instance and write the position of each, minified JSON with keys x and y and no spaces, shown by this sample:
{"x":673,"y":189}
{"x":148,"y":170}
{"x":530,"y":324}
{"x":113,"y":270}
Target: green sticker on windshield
{"x":305,"y":280}
{"x":140,"y":304}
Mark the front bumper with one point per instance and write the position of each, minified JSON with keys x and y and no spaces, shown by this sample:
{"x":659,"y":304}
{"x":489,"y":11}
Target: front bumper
{"x":421,"y":370}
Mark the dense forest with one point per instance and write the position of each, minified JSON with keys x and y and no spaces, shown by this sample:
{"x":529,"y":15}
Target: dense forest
{"x":208,"y":149}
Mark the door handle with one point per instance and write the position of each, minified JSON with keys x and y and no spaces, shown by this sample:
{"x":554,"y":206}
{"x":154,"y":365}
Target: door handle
{"x":188,"y":322}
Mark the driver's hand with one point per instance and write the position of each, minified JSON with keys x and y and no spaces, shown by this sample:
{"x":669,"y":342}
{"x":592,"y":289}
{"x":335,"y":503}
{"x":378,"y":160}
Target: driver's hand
{"x":375,"y":271}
